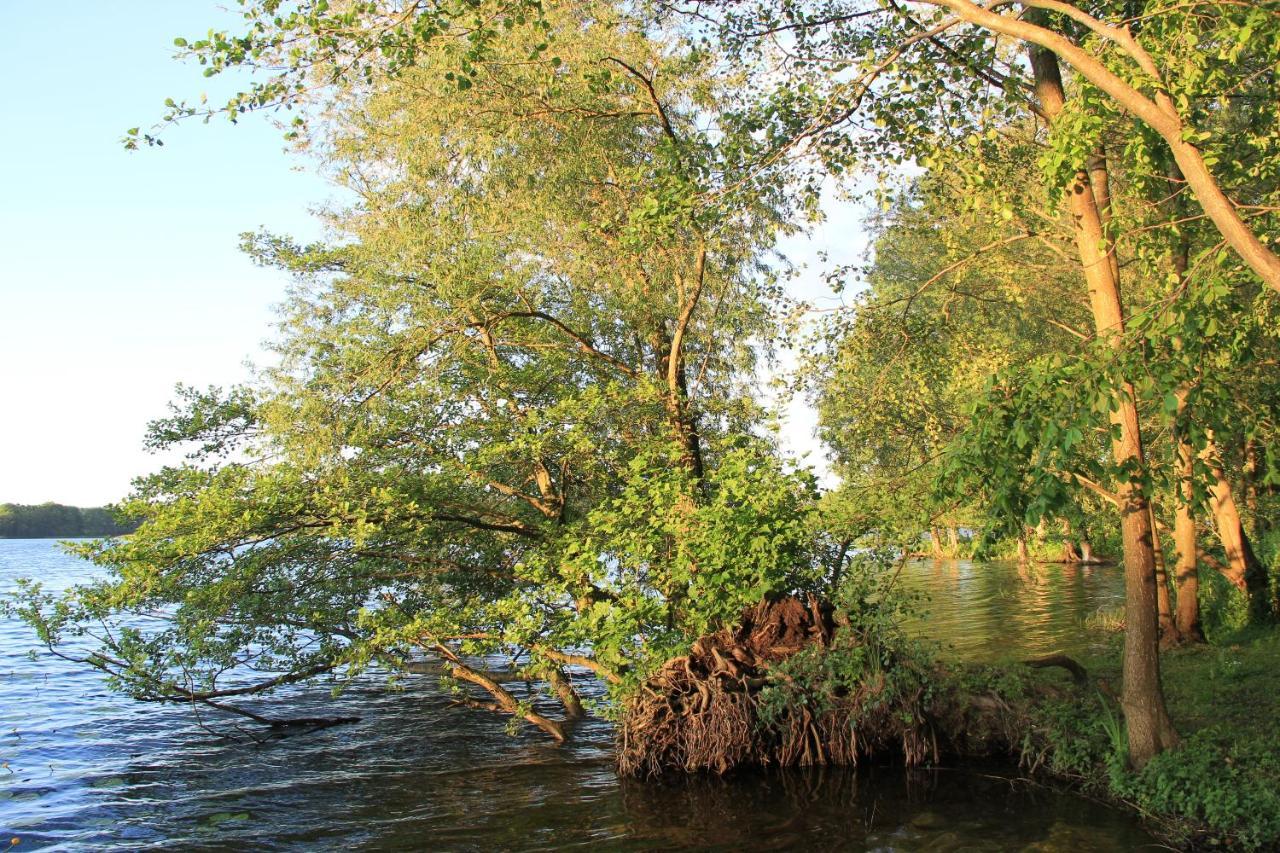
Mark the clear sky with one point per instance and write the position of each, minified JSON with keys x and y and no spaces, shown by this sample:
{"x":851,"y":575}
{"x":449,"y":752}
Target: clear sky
{"x":119,"y":271}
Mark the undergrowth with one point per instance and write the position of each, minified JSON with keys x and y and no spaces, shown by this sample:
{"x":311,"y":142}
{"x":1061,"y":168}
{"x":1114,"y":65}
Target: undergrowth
{"x":1220,"y":787}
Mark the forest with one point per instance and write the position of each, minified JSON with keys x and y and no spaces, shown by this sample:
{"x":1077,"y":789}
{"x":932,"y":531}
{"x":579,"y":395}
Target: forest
{"x":515,"y":423}
{"x":52,"y":520}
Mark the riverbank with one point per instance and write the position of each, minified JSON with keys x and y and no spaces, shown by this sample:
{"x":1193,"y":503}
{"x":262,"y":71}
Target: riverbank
{"x":1220,"y":788}
{"x":843,"y":685}
{"x":94,"y":770}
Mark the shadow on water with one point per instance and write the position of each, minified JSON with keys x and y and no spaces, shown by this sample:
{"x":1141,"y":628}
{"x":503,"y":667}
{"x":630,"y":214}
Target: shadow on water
{"x":87,"y":770}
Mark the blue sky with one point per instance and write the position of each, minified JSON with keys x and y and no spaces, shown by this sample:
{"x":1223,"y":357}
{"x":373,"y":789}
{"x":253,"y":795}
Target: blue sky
{"x":119,"y":271}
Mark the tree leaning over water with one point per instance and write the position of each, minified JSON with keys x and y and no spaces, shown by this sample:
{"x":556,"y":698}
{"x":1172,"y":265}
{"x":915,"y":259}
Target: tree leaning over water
{"x":510,"y":388}
{"x":511,"y":413}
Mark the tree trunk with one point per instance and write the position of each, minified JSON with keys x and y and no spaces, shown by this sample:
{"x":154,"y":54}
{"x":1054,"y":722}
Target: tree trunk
{"x":1184,"y":537}
{"x":1069,"y":552}
{"x":1187,"y":572}
{"x":1023,"y":555}
{"x":1150,"y":730}
{"x":1160,"y":114}
{"x":953,"y":542}
{"x":669,"y":366}
{"x":935,"y":544}
{"x":1252,"y":477}
{"x":1164,"y":609}
{"x":1244,"y":564}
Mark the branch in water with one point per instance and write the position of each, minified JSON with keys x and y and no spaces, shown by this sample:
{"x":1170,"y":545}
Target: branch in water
{"x":504,"y":702}
{"x":283,"y":722}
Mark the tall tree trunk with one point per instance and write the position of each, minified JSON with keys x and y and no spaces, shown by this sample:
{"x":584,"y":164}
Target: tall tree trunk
{"x":1024,"y":555}
{"x":1069,"y":552}
{"x":1150,"y":730}
{"x":1164,"y":609}
{"x":1184,"y":537}
{"x":1187,"y":572}
{"x":1252,"y":479}
{"x":1160,"y":114}
{"x":935,"y":544}
{"x":1243,"y":562}
{"x":953,"y":542}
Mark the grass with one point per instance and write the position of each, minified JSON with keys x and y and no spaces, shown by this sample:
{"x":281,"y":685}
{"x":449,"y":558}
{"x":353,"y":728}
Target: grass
{"x":1221,"y":786}
{"x":1108,"y":620}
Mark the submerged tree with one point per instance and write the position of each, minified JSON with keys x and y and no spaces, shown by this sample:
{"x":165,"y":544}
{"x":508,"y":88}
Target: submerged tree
{"x":510,"y":413}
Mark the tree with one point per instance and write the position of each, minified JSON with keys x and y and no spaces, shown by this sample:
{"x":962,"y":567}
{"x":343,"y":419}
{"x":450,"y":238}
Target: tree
{"x":1167,"y":64}
{"x":510,"y":412}
{"x":52,"y":520}
{"x":851,"y":65}
{"x":949,"y":301}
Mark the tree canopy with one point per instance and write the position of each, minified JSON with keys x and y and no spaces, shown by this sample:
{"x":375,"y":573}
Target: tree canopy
{"x":513,"y":411}
{"x":512,"y":403}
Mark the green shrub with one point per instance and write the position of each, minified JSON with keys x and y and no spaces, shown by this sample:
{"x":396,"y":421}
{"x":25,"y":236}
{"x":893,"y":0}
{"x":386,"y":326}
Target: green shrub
{"x":1219,"y":778}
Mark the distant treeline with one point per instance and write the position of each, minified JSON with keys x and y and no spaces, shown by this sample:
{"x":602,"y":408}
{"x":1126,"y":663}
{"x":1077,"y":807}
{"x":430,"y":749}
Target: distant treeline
{"x":50,"y":520}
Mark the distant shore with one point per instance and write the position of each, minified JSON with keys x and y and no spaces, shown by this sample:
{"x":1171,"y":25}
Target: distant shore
{"x":59,"y":521}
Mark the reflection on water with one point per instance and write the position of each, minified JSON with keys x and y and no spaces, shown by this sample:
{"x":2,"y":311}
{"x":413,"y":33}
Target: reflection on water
{"x":86,"y":770}
{"x":1004,"y":610}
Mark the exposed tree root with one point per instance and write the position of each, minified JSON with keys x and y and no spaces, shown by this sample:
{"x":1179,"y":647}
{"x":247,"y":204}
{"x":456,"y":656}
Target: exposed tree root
{"x":710,"y":710}
{"x":701,"y":711}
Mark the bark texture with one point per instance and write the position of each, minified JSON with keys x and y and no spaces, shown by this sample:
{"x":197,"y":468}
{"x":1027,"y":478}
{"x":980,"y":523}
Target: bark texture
{"x":1184,"y":536}
{"x":1149,"y":728}
{"x":1169,"y":635}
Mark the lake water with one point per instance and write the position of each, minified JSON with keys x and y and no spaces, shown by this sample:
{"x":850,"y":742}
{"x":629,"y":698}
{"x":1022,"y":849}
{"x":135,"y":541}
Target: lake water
{"x":84,"y":769}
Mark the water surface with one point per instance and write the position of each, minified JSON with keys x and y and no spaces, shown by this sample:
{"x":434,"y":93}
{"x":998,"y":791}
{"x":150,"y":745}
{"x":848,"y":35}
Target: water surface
{"x":1000,"y":611}
{"x":84,"y":769}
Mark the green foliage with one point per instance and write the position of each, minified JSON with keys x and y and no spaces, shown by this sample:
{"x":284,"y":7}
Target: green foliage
{"x":871,"y":661}
{"x":1221,"y":785}
{"x":1224,"y":610}
{"x":1218,"y":780}
{"x":57,"y":521}
{"x":512,"y":412}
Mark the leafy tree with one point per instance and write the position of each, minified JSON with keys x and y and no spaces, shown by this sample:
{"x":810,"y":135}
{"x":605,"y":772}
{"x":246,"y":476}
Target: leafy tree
{"x":511,"y":410}
{"x":862,"y":86}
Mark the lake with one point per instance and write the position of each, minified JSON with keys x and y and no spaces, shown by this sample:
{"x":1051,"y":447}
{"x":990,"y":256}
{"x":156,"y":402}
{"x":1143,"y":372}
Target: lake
{"x":84,"y":769}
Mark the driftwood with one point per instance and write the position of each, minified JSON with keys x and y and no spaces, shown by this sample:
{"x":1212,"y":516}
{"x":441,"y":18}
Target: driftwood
{"x":1078,"y":672}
